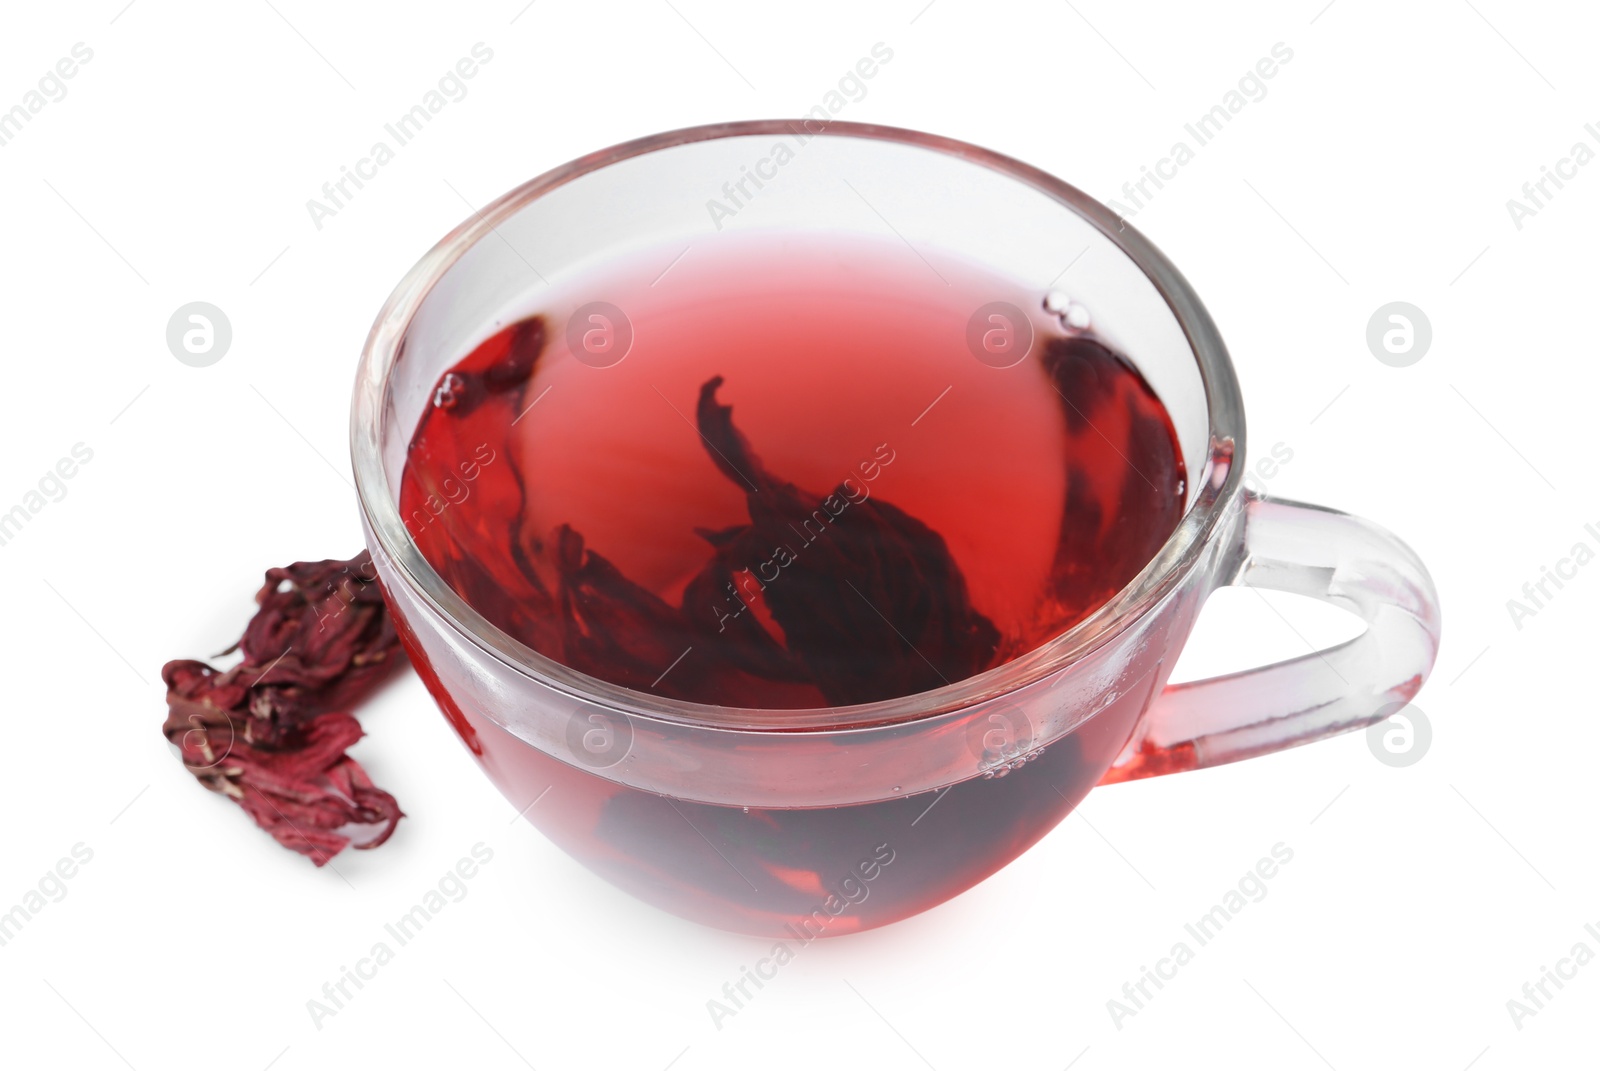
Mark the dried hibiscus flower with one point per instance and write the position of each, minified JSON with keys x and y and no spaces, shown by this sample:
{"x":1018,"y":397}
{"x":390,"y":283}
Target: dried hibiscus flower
{"x":271,"y":733}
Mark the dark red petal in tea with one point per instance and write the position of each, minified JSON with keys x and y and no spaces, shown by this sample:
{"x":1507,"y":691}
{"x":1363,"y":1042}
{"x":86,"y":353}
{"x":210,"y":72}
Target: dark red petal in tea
{"x":1084,"y":374}
{"x":271,"y":732}
{"x":1106,"y":536}
{"x":612,"y":627}
{"x":869,"y":598}
{"x":460,"y":452}
{"x":728,"y":626}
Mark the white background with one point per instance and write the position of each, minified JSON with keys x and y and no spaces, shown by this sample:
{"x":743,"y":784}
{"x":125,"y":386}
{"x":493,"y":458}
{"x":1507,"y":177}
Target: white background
{"x":1419,"y":900}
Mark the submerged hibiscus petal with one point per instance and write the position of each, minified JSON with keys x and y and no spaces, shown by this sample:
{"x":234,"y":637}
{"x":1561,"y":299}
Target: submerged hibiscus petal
{"x":870,"y":601}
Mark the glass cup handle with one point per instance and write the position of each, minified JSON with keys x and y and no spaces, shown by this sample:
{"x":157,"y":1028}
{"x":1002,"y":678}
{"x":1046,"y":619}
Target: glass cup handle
{"x":1332,"y":556}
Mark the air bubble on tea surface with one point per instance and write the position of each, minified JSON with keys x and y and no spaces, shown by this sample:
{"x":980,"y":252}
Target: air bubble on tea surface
{"x":1072,"y":315}
{"x":449,"y":391}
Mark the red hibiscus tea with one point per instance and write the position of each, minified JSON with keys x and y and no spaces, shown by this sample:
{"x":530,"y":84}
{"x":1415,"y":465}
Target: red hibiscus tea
{"x":791,"y":471}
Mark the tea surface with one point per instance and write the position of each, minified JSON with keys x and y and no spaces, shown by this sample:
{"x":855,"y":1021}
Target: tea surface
{"x":790,"y":471}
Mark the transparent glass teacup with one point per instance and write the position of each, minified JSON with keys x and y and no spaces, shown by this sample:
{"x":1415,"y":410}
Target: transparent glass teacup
{"x":799,"y":823}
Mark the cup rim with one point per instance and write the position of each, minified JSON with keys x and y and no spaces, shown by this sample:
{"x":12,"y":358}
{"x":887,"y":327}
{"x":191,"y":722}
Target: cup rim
{"x":1216,"y":484}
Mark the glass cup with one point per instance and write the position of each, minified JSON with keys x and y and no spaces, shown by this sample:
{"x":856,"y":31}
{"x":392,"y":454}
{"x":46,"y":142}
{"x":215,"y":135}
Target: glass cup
{"x":817,"y":822}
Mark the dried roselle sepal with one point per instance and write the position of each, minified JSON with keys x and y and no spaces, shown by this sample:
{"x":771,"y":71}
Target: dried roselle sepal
{"x":271,"y":732}
{"x":307,"y":798}
{"x":323,"y":626}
